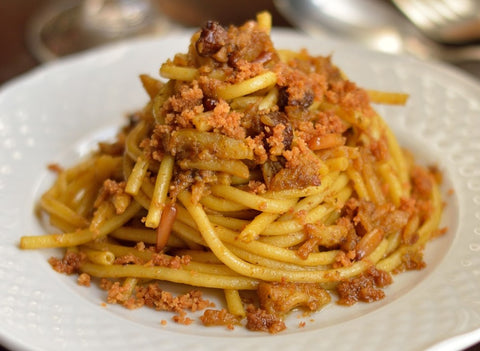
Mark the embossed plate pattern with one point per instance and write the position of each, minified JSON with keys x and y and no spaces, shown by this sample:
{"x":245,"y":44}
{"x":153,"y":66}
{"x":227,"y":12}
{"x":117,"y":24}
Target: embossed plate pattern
{"x":55,"y":114}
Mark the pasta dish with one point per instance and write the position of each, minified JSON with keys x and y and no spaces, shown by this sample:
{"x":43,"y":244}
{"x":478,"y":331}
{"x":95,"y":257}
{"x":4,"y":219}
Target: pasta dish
{"x":261,"y":172}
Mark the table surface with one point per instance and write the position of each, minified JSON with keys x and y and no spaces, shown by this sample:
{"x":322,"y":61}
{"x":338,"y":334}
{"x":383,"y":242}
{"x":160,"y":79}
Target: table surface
{"x":16,"y":59}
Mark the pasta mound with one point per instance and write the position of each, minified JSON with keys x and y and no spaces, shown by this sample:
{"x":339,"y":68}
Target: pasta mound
{"x":249,"y":169}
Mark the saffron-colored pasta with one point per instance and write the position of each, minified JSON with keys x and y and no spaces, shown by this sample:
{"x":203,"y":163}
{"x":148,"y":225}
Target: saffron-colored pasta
{"x":250,"y":168}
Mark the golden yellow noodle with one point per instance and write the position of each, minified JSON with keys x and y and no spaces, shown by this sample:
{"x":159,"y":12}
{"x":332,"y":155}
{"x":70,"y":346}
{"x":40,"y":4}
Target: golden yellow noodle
{"x":260,"y":166}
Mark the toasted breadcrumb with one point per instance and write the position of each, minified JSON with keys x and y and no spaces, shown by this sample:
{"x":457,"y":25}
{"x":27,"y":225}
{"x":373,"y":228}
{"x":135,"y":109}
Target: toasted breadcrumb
{"x":69,"y":264}
{"x":219,"y":317}
{"x":261,"y":320}
{"x":128,"y":259}
{"x":84,"y":279}
{"x":366,"y":287}
{"x":55,"y":167}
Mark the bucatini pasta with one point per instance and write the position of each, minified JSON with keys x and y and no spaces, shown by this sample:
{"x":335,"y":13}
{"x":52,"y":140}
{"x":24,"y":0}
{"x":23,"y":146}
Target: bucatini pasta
{"x":249,"y":169}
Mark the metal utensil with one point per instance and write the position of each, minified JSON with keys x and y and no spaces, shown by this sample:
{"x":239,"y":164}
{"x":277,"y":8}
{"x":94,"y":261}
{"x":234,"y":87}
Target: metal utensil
{"x":376,"y":23}
{"x":448,"y":21}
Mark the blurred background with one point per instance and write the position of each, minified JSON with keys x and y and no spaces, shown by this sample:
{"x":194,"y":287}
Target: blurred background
{"x":36,"y":31}
{"x":26,"y":25}
{"x":17,"y":17}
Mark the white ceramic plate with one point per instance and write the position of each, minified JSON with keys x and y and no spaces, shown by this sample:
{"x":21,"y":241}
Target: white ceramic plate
{"x":55,"y":114}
